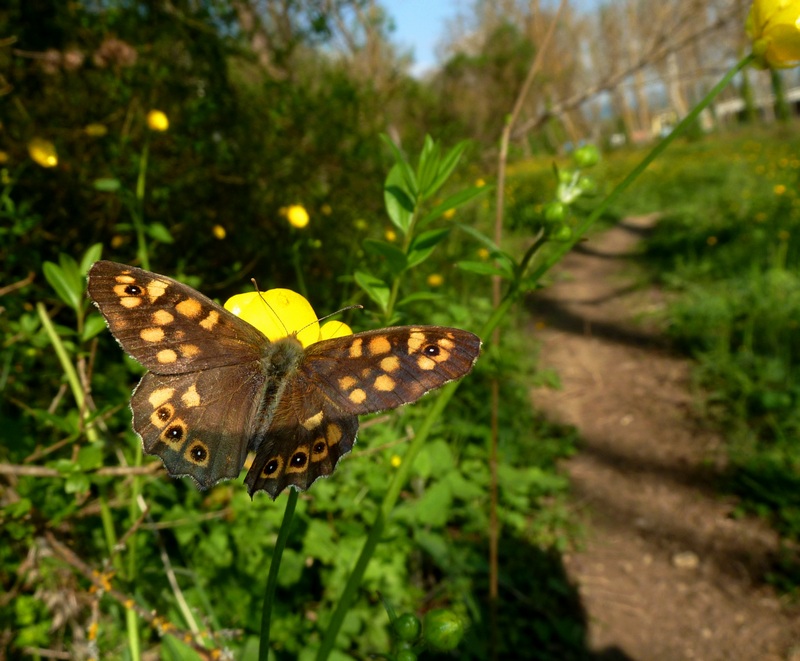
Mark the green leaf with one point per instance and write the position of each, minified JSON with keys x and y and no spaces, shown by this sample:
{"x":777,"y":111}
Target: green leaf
{"x":423,"y":245}
{"x":77,"y":483}
{"x":420,"y":296}
{"x":483,"y":268}
{"x":90,"y":457}
{"x":107,"y":185}
{"x":452,"y":202}
{"x":159,"y":232}
{"x":433,"y":509}
{"x":428,"y":166}
{"x":446,"y":166}
{"x":398,"y":200}
{"x":94,"y":324}
{"x":395,"y":258}
{"x":92,"y":254}
{"x":375,"y":288}
{"x":68,"y":287}
{"x":407,"y":179}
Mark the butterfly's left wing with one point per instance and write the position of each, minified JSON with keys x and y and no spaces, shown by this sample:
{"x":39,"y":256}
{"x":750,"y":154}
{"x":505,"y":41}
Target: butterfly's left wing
{"x":316,"y":421}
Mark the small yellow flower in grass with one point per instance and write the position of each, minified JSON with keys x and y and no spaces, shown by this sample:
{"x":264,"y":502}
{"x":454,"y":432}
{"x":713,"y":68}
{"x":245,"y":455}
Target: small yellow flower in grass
{"x":157,"y":121}
{"x":297,"y":216}
{"x":280,"y":313}
{"x":480,"y":183}
{"x":483,"y":253}
{"x":390,"y":235}
{"x":447,"y":215}
{"x":711,"y":240}
{"x":435,"y":280}
{"x":360,"y":224}
{"x":95,"y":130}
{"x":396,"y":460}
{"x":43,"y":152}
{"x":326,"y":210}
{"x":783,"y":235}
{"x":774,"y":28}
{"x":219,"y":232}
{"x":779,"y":189}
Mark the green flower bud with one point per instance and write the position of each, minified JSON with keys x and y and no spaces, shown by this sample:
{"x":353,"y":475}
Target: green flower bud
{"x":406,"y":655}
{"x":555,"y":212}
{"x":442,"y":629}
{"x":586,"y":156}
{"x":407,"y":627}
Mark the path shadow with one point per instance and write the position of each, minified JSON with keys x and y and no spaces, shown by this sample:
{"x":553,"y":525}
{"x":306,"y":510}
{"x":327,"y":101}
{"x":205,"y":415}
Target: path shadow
{"x":539,"y":616}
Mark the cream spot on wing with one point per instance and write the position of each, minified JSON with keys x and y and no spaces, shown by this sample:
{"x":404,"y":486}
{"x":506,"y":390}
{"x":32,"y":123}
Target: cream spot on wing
{"x":379,"y":344}
{"x":313,"y":422}
{"x":446,"y":343}
{"x":158,"y":397}
{"x":425,"y":363}
{"x":210,"y":321}
{"x":443,"y":355}
{"x":333,"y":433}
{"x":390,"y":364}
{"x":191,"y":397}
{"x":189,"y":307}
{"x":415,"y":341}
{"x":152,"y":334}
{"x":120,"y":290}
{"x":125,"y":279}
{"x":347,"y":382}
{"x":166,"y":356}
{"x":155,"y":289}
{"x":357,"y":396}
{"x":189,"y":350}
{"x":384,"y":383}
{"x":130,"y":301}
{"x":162,"y":317}
{"x":355,"y":348}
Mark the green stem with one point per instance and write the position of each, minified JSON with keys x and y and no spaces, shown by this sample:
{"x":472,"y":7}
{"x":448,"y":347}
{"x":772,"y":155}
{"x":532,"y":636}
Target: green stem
{"x":393,"y":492}
{"x":67,"y":366}
{"x":137,"y":213}
{"x":272,"y":578}
{"x":615,"y":194}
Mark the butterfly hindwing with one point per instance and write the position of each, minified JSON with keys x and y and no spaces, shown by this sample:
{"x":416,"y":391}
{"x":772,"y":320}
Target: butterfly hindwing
{"x":200,"y":424}
{"x":167,"y":326}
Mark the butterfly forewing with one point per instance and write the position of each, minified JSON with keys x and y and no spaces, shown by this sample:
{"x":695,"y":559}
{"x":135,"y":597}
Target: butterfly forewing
{"x":168,"y":327}
{"x":384,"y":369}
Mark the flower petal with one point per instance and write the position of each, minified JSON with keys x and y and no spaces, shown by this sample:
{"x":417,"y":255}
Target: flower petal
{"x":277,"y":313}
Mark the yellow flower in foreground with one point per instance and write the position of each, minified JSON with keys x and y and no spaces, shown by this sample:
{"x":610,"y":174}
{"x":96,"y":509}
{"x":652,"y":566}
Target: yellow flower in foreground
{"x":219,"y":232}
{"x":157,"y":121}
{"x":774,"y":28}
{"x":43,"y":152}
{"x":435,"y":280}
{"x":280,"y":313}
{"x":297,"y":216}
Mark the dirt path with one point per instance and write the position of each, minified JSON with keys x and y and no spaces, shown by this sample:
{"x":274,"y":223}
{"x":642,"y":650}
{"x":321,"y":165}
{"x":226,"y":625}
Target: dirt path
{"x":667,"y":573}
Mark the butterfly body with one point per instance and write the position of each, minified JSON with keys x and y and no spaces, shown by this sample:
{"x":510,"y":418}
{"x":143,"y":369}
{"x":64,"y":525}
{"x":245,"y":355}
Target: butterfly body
{"x":217,"y":388}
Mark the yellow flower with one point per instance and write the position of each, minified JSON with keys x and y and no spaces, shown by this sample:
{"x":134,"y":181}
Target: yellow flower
{"x":297,"y":216}
{"x":396,"y":460}
{"x":281,"y":313}
{"x":390,"y":235}
{"x":483,"y":253}
{"x":774,"y":28}
{"x":43,"y":152}
{"x":779,"y":189}
{"x":95,"y":130}
{"x":480,"y":183}
{"x":783,"y":235}
{"x":711,"y":240}
{"x":219,"y":232}
{"x":447,"y":215}
{"x":3,"y":157}
{"x":360,"y":224}
{"x":326,"y":210}
{"x":157,"y":121}
{"x":435,"y":280}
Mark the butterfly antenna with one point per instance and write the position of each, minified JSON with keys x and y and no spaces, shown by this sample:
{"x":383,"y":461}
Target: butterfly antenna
{"x":269,"y":307}
{"x":333,"y":314}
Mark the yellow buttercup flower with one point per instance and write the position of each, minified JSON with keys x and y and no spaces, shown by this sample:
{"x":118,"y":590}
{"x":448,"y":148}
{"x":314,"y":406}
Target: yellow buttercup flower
{"x":3,"y":157}
{"x":219,"y":232}
{"x":95,"y":130}
{"x":480,"y":183}
{"x":280,"y":313}
{"x":297,"y":216}
{"x":483,"y":253}
{"x":396,"y":460}
{"x":779,"y":189}
{"x":43,"y":152}
{"x":157,"y":121}
{"x":435,"y":280}
{"x":390,"y":235}
{"x":774,"y":28}
{"x":447,"y":215}
{"x":326,"y":210}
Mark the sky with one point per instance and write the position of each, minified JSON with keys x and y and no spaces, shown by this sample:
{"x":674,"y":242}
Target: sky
{"x":419,"y":26}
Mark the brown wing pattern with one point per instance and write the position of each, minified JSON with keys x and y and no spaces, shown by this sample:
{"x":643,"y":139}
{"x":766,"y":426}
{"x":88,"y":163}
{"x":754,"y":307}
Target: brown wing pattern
{"x":167,"y":326}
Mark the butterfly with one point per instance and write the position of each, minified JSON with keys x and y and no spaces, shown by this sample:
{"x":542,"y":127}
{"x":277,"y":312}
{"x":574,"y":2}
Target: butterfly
{"x":217,"y":388}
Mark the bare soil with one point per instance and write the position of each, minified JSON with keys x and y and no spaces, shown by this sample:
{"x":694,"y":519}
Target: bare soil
{"x":666,"y":573}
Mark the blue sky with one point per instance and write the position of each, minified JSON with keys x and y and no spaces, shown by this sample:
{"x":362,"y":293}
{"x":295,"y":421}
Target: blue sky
{"x":420,"y":24}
